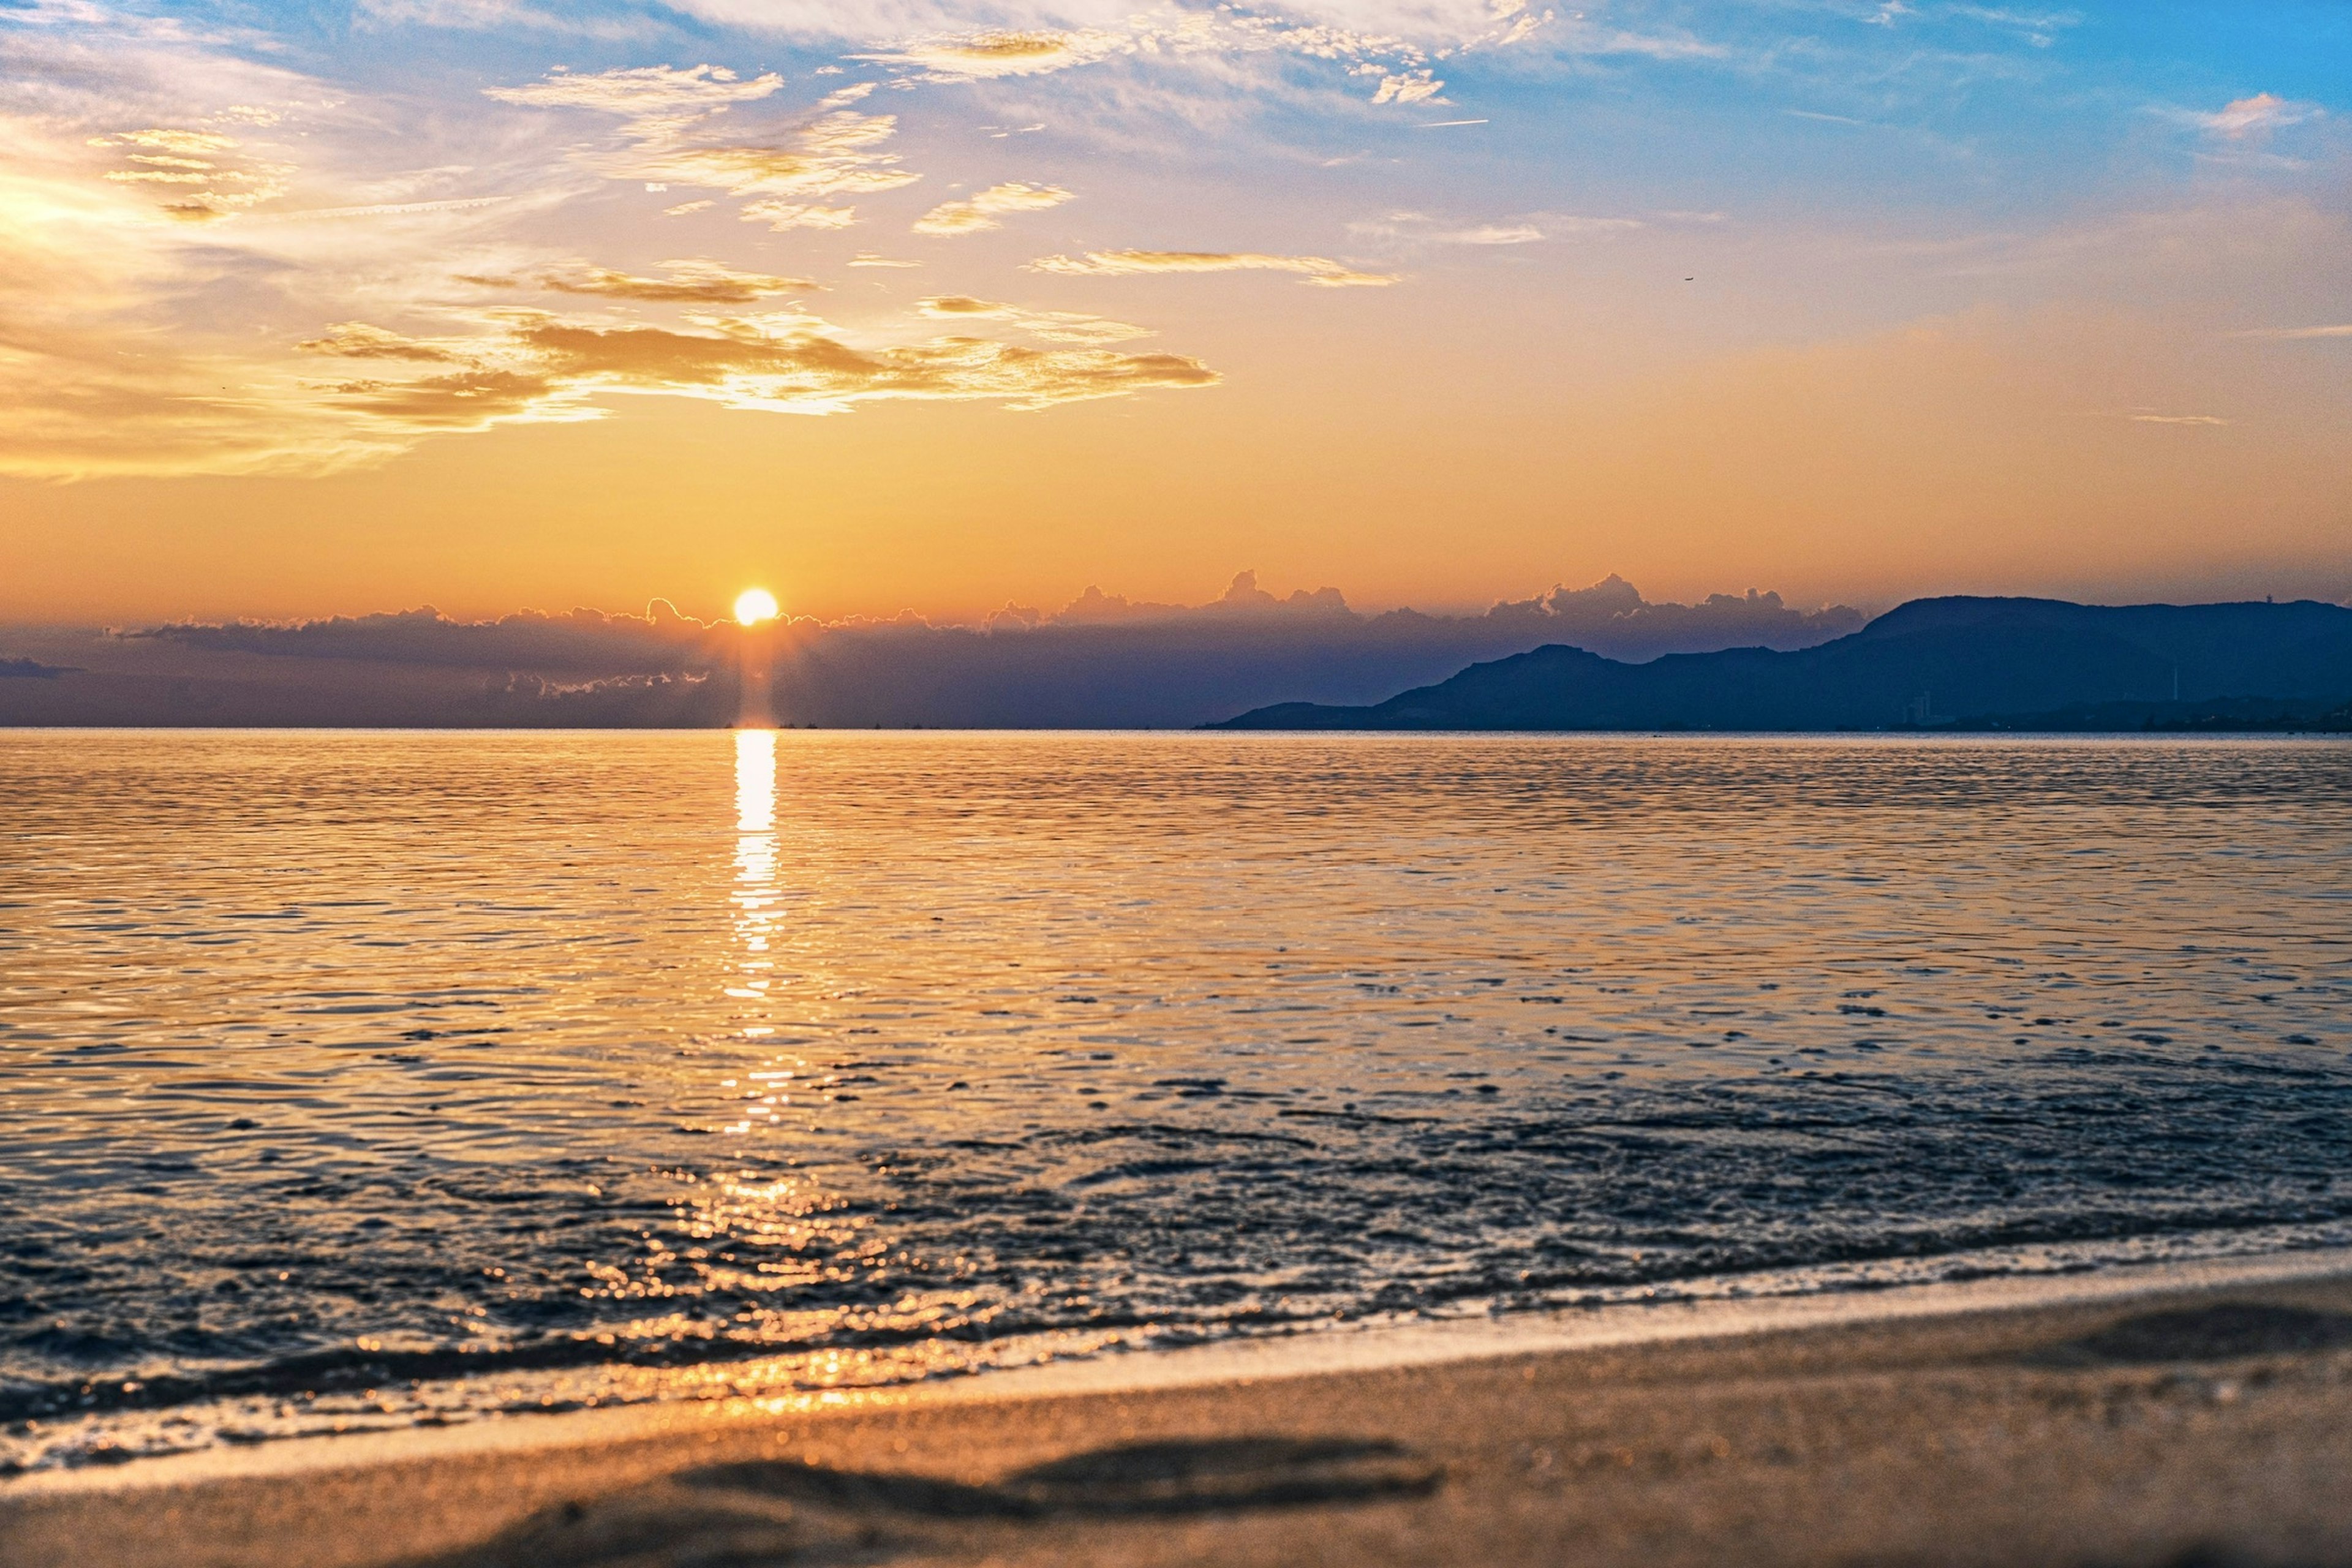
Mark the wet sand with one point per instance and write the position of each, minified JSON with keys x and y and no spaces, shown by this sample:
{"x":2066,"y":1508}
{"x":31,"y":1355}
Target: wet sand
{"x":2174,"y":1425}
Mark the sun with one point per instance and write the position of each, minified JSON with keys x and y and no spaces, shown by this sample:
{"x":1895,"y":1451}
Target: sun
{"x":753,"y":605}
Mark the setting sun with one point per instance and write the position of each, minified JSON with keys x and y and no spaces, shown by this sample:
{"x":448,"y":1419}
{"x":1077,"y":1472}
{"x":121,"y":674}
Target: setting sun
{"x":753,"y":605}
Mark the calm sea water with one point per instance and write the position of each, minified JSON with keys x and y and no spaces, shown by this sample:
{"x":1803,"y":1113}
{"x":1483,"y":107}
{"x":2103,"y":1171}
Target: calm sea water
{"x":352,"y":1079}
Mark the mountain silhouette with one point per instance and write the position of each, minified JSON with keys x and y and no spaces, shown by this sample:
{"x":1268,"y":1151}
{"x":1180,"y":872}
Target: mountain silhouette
{"x":1956,"y":662}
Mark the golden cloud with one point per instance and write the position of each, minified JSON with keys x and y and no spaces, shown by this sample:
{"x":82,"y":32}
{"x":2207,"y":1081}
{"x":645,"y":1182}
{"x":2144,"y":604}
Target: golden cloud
{"x":357,"y":340}
{"x":666,"y":115}
{"x":688,"y":283}
{"x":1319,"y":270}
{"x":647,"y":95}
{"x":544,"y":367}
{"x":981,"y":211}
{"x":985,"y":56}
{"x":168,"y":141}
{"x":218,"y":184}
{"x":780,"y":215}
{"x":1054,"y":326}
{"x":832,"y":157}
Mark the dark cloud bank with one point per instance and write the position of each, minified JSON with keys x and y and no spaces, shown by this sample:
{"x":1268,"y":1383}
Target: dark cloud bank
{"x":1102,"y":661}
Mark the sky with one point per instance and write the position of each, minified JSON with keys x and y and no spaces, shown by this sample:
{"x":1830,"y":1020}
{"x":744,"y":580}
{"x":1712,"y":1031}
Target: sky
{"x":493,"y":305}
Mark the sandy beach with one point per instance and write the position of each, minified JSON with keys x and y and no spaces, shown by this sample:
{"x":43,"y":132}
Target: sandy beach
{"x":2144,"y":1419}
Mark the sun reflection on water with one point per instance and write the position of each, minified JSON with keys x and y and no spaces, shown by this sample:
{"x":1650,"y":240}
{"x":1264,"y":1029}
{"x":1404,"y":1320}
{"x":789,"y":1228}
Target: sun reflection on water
{"x":758,"y":903}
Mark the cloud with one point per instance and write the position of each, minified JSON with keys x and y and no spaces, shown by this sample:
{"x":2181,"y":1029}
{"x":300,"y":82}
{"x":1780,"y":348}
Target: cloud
{"x":940,"y":42}
{"x":1101,"y":660}
{"x":649,"y":96}
{"x":1492,"y":234}
{"x":477,"y":16}
{"x":357,"y":340}
{"x":1411,"y":87}
{"x":688,"y":283}
{"x":1319,"y":270}
{"x":380,"y":209}
{"x":544,"y":367}
{"x":988,"y":56}
{"x":2299,"y":334}
{"x":2256,"y":116}
{"x":265,"y":337}
{"x":782,"y":216}
{"x":101,"y":369}
{"x":206,"y":175}
{"x":668,"y":117}
{"x":834,"y":156}
{"x":1420,"y":229}
{"x":1054,"y":326}
{"x":982,"y":211}
{"x":2178,"y":419}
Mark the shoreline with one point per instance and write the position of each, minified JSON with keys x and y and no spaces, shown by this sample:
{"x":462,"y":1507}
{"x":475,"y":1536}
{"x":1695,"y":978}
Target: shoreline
{"x":1329,"y":1350}
{"x":1897,"y":1372}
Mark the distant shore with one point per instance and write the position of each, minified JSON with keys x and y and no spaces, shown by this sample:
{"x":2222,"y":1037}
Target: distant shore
{"x":2165,"y":1415}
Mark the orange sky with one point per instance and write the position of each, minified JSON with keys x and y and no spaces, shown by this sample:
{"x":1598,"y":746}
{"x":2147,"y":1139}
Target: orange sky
{"x":287,"y":335}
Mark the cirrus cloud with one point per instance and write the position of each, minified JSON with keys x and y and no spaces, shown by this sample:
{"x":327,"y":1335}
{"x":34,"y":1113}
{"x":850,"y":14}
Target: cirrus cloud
{"x":688,"y":283}
{"x":986,"y":56}
{"x":542,"y":367}
{"x":2256,"y":116}
{"x":207,"y":175}
{"x":782,"y":216}
{"x":669,"y":136}
{"x":1054,"y":326}
{"x":1319,"y":270}
{"x":983,"y":210}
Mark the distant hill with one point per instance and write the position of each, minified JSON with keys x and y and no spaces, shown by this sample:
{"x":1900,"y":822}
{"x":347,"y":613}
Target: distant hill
{"x":1949,"y":663}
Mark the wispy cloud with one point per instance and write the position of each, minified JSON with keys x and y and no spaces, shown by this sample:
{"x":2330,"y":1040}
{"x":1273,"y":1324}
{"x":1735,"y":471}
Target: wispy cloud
{"x":2255,"y":116}
{"x":1054,"y":326}
{"x":652,"y":98}
{"x":200,"y":175}
{"x":1492,"y":233}
{"x":780,"y":215}
{"x":986,"y":56}
{"x":2040,"y":28}
{"x":671,"y":134}
{"x":983,"y":210}
{"x":688,"y":283}
{"x":543,"y":367}
{"x":2300,"y":334}
{"x":1420,"y":229}
{"x":484,"y":16}
{"x":1319,"y":270}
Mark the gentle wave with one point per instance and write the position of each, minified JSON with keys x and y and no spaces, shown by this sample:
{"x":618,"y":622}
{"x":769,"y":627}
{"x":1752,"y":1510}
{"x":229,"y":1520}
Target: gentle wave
{"x":412,"y":1076}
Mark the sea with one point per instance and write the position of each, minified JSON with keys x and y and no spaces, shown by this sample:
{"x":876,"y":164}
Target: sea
{"x":353,"y":1081}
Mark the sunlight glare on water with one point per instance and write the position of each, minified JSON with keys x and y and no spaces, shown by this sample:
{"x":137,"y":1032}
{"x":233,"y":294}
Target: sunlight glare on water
{"x":360,"y":1078}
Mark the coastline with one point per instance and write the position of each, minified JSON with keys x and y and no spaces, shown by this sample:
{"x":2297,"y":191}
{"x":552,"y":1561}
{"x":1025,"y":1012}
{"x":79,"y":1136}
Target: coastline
{"x":1989,"y":1407}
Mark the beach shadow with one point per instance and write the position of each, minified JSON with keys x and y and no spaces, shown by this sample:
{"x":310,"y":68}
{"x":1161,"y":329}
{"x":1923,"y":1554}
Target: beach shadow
{"x":767,"y":1511}
{"x":1180,"y":1477}
{"x":2209,"y":1555}
{"x":2224,"y":1331}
